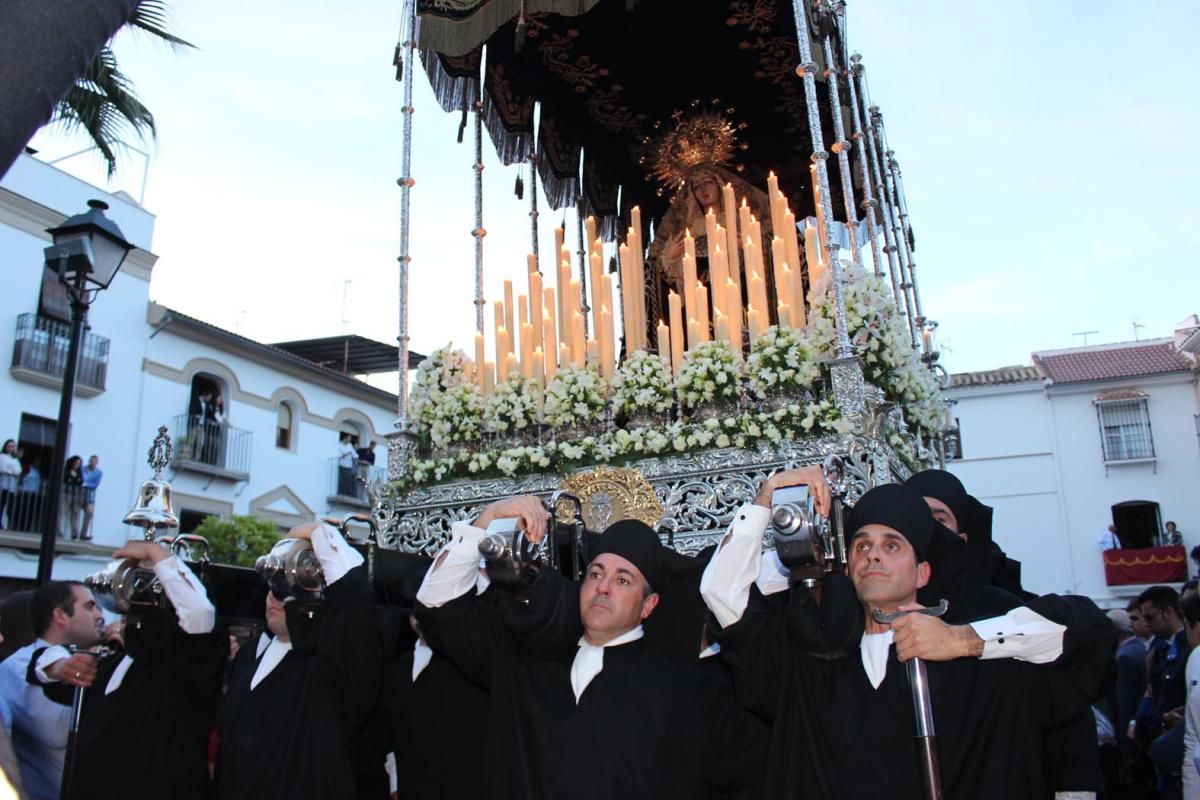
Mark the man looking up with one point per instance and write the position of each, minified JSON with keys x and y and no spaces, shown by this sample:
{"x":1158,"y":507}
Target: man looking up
{"x":163,"y":686}
{"x":298,"y":698}
{"x":607,"y":717}
{"x":842,"y":721}
{"x":63,"y":613}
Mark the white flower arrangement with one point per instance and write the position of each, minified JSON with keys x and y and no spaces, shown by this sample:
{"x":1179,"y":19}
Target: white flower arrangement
{"x":446,"y":407}
{"x":574,"y":396}
{"x":782,"y":361}
{"x":643,"y":384}
{"x":881,"y":339}
{"x":711,"y":374}
{"x":510,"y":408}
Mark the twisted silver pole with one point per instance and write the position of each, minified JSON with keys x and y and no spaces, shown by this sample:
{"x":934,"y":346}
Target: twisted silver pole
{"x":897,"y":229}
{"x":841,"y":145}
{"x":808,"y":69}
{"x":533,"y":214}
{"x":409,"y":45}
{"x":479,"y":231}
{"x":876,"y":167}
{"x":869,"y":203}
{"x":582,"y":252}
{"x":906,"y":229}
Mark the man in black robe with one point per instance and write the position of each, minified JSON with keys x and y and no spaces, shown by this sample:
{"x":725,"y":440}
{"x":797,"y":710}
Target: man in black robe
{"x":613,"y":718}
{"x":161,"y":688}
{"x":299,"y":698}
{"x":842,"y":720}
{"x":990,"y":587}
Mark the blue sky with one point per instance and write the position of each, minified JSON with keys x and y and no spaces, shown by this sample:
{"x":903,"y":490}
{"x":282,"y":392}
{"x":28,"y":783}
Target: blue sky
{"x":1048,"y":152}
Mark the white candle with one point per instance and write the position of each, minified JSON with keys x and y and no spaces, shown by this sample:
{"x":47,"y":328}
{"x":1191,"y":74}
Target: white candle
{"x":676,"y":314}
{"x":479,"y":360}
{"x":664,"y":342}
{"x":535,"y":307}
{"x":509,"y":321}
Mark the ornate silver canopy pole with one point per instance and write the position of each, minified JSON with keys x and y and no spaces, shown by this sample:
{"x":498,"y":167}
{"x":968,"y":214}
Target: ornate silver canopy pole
{"x":897,"y":228}
{"x":846,"y":375}
{"x":402,"y":442}
{"x":582,"y":252}
{"x":479,"y":232}
{"x":869,"y":203}
{"x":533,"y":213}
{"x":876,"y":168}
{"x":906,"y":228}
{"x":840,"y":145}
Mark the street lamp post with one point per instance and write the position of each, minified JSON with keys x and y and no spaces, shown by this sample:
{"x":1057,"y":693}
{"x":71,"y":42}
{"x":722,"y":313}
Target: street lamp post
{"x":88,"y":251}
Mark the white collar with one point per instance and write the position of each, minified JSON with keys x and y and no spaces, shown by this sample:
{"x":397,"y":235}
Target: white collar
{"x":874,"y":648}
{"x":589,"y":659}
{"x":271,"y":654}
{"x":422,"y":655}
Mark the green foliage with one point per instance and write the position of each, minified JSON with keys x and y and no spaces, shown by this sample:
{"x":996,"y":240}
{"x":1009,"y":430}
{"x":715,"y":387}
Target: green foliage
{"x":102,"y":103}
{"x":238,"y":541}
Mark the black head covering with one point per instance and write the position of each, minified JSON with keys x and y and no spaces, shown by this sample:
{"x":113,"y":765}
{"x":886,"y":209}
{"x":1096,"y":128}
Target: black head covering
{"x":16,"y":623}
{"x":636,"y":542}
{"x":900,"y":508}
{"x":941,"y":485}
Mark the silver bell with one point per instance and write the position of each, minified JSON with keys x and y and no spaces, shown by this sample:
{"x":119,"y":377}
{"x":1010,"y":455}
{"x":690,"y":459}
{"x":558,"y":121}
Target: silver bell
{"x":152,"y":507}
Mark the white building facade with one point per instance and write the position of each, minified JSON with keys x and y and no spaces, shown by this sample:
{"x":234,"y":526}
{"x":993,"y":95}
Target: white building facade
{"x":142,"y":366}
{"x":1083,"y":439}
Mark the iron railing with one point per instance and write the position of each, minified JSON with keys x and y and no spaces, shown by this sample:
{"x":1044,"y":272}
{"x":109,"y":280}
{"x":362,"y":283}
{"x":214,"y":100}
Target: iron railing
{"x":205,"y":445}
{"x":348,"y":483}
{"x":42,"y":343}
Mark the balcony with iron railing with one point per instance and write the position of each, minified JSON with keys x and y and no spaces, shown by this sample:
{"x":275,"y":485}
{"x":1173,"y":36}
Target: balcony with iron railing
{"x":348,"y":486}
{"x":211,"y":448}
{"x":40,"y":355}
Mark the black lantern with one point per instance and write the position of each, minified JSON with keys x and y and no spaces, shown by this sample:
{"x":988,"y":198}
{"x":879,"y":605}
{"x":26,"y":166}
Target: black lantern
{"x":87,"y":253}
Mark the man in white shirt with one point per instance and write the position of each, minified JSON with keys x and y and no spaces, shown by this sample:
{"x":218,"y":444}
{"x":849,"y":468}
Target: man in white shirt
{"x":843,"y":722}
{"x":63,"y":613}
{"x":163,"y":685}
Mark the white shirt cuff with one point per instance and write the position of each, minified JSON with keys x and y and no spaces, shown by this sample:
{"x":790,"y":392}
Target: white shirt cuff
{"x":725,"y":585}
{"x":336,"y":555}
{"x":50,"y":655}
{"x":195,"y":612}
{"x":455,"y":569}
{"x":1021,"y":634}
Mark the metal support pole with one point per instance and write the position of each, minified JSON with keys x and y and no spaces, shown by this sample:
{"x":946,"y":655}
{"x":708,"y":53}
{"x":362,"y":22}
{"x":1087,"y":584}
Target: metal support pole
{"x":869,"y":203}
{"x":533,"y":214}
{"x":897,"y":229}
{"x":807,"y":70}
{"x":79,"y":309}
{"x":881,"y":193}
{"x":906,"y":228}
{"x":582,"y":252}
{"x":409,"y":45}
{"x":840,"y":145}
{"x":479,"y":232}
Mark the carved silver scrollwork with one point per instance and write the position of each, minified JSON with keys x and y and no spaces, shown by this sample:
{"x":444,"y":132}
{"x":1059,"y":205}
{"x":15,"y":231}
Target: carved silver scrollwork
{"x":699,"y":492}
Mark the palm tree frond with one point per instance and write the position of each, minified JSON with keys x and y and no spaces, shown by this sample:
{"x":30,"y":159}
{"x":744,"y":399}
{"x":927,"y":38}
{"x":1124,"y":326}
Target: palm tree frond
{"x":151,"y":17}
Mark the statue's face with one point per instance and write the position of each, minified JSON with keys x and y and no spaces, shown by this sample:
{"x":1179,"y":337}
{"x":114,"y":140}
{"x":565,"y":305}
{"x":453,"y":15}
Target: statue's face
{"x":706,"y":190}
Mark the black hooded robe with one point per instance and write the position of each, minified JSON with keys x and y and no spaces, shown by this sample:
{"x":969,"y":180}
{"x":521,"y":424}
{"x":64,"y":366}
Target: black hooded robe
{"x":834,"y":736}
{"x":167,"y":696}
{"x":645,"y":728}
{"x":296,"y":735}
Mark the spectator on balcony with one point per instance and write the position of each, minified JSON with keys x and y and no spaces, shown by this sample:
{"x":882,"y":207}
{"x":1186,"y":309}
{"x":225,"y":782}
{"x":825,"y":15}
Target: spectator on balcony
{"x":366,"y":460}
{"x":29,"y":496}
{"x":1108,"y":540}
{"x":200,"y":414}
{"x":72,"y":497}
{"x":92,"y":474}
{"x":1171,"y":536}
{"x":10,"y":473}
{"x":347,"y":457}
{"x":217,"y":432}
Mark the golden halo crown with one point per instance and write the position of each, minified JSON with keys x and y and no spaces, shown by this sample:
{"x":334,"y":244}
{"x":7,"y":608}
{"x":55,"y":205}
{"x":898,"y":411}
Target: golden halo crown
{"x":696,"y":138}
